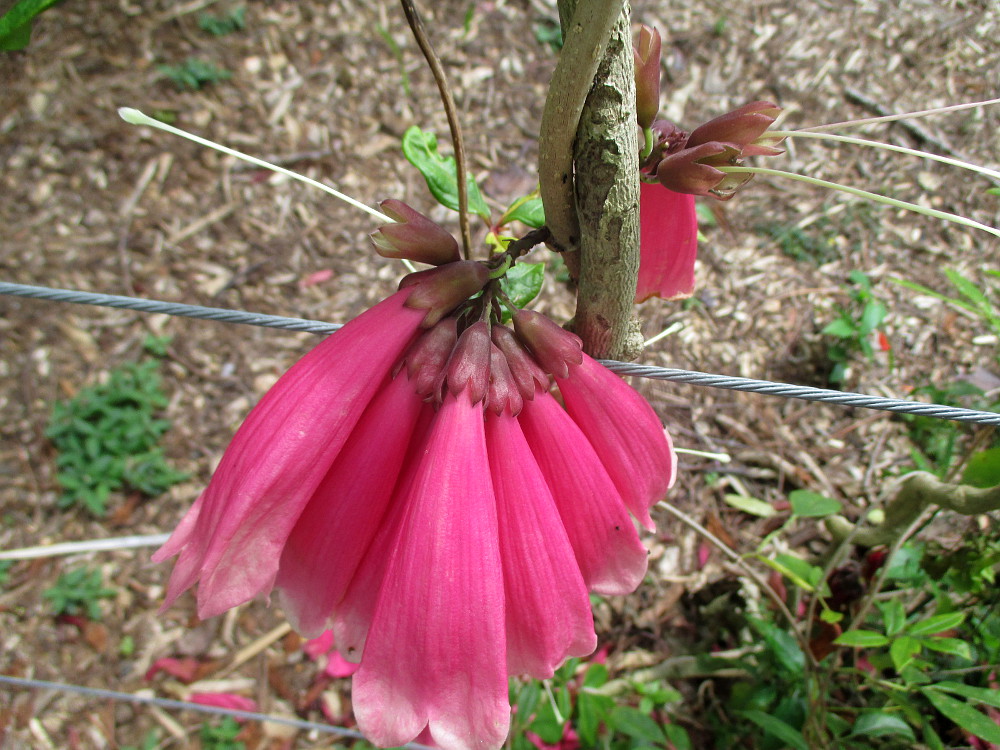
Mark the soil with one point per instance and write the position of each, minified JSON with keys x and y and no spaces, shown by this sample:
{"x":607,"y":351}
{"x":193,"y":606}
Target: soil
{"x":327,"y":89}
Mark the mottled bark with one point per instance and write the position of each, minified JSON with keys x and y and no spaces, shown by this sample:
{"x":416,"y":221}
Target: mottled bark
{"x":606,"y":187}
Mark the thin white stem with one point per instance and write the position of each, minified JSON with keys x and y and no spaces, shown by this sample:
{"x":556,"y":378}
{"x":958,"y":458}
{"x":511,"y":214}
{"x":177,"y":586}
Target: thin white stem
{"x":89,"y":545}
{"x":135,"y":117}
{"x":673,"y":328}
{"x":887,"y":147}
{"x":722,"y":458}
{"x":865,"y":194}
{"x":903,"y":116}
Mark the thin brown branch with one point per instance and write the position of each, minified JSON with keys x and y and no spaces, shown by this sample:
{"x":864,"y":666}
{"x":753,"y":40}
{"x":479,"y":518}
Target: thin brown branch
{"x":434,"y":62}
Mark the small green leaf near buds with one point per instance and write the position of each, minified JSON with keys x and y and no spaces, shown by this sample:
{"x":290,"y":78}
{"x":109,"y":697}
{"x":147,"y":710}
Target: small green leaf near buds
{"x":414,"y":237}
{"x":647,"y":76}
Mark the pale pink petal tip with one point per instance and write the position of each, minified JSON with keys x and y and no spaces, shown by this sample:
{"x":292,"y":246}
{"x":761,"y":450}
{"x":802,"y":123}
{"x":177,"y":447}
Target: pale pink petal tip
{"x":668,"y":243}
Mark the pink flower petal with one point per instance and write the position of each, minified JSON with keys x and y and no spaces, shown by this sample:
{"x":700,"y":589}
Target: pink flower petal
{"x":333,"y":533}
{"x":435,"y":654}
{"x":548,"y":610}
{"x":353,"y":616}
{"x":338,"y":666}
{"x":625,"y":432}
{"x":224,"y":700}
{"x":319,"y":645}
{"x":279,"y":456}
{"x":668,"y":243}
{"x":185,"y":669}
{"x":608,"y":551}
{"x":316,"y":277}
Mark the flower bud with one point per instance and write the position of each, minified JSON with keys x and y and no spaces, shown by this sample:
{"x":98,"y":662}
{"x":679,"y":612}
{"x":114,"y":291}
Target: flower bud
{"x":555,"y":348}
{"x":741,"y":127}
{"x":426,"y":360}
{"x":647,"y":76}
{"x":439,"y":290}
{"x":693,"y":170}
{"x":414,"y":237}
{"x":503,"y":392}
{"x":527,"y":373}
{"x":469,"y":366}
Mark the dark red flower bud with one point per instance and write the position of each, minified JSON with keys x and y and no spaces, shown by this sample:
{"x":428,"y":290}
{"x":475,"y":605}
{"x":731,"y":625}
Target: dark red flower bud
{"x":553,"y":347}
{"x":693,"y":170}
{"x":740,"y":127}
{"x":426,"y":360}
{"x":527,"y":373}
{"x":414,"y":237}
{"x":439,"y":290}
{"x":469,"y":366}
{"x":647,"y":76}
{"x":503,"y":393}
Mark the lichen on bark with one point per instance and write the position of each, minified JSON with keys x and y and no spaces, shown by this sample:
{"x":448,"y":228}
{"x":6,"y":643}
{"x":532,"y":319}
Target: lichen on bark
{"x":605,"y":189}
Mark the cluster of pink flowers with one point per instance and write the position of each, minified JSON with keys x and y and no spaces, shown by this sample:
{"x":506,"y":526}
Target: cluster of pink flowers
{"x":414,"y":485}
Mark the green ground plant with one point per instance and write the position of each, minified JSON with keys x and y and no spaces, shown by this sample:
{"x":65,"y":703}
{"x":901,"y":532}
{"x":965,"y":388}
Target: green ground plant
{"x":107,"y":439}
{"x":885,"y":651}
{"x":194,"y":74}
{"x":854,"y":326}
{"x":79,"y":592}
{"x":221,"y":735}
{"x":223,"y":23}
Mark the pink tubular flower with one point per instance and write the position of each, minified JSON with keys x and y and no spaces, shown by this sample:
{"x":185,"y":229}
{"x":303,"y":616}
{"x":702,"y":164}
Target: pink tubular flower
{"x":668,"y":243}
{"x":421,"y":501}
{"x":435,"y":654}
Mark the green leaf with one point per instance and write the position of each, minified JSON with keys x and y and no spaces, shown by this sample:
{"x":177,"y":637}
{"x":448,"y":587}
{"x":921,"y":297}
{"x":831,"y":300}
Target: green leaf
{"x":527,"y":210}
{"x":881,"y":724}
{"x":782,"y":644}
{"x":970,"y":291}
{"x":873,"y":315}
{"x":798,"y":572}
{"x":527,"y":699}
{"x":861,"y":639}
{"x":421,"y":149}
{"x":777,"y":728}
{"x":894,"y":616}
{"x":800,"y":569}
{"x":983,"y":469}
{"x":591,"y":711}
{"x":964,"y":715}
{"x":989,"y":696}
{"x":840,"y":328}
{"x":806,"y":504}
{"x":15,"y":24}
{"x":937,"y":624}
{"x":522,"y":283}
{"x":750,"y":505}
{"x":902,"y":650}
{"x":993,"y":191}
{"x":677,"y":736}
{"x":636,"y":724}
{"x":951,"y":646}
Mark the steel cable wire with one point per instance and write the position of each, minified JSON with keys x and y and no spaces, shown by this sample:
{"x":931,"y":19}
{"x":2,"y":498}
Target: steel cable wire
{"x":766,"y":387}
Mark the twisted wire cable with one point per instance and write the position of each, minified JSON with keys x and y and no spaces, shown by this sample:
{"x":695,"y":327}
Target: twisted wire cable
{"x":766,"y":387}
